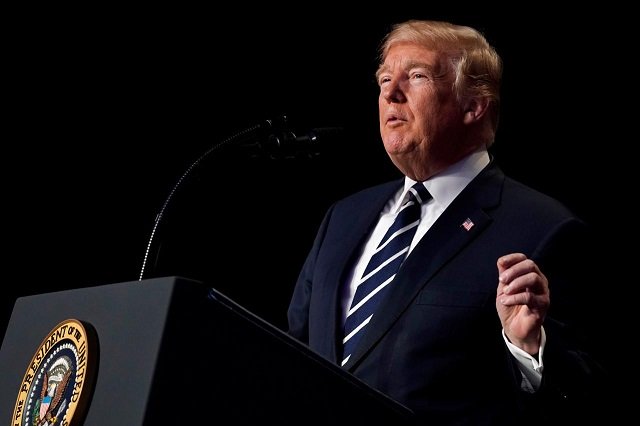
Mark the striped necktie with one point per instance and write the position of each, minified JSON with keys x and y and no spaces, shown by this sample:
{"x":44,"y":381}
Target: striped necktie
{"x":382,"y":268}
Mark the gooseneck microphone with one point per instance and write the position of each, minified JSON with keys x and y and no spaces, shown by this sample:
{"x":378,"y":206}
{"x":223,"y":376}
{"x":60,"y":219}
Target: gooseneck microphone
{"x":271,"y":139}
{"x":287,"y":144}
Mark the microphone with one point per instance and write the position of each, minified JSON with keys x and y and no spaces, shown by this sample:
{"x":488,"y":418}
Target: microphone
{"x":286,"y":144}
{"x":269,"y":138}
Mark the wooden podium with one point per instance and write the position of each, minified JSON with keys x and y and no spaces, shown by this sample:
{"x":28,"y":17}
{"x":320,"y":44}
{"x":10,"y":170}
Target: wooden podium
{"x":176,"y":351}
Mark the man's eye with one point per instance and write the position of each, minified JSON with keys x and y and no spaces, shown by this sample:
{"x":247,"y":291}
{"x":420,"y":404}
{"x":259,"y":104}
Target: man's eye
{"x":383,"y":80}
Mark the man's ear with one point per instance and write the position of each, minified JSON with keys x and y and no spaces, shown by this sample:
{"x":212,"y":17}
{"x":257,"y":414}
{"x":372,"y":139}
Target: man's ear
{"x":475,"y":109}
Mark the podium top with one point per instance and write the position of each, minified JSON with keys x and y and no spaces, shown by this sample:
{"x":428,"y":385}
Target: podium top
{"x":176,"y":349}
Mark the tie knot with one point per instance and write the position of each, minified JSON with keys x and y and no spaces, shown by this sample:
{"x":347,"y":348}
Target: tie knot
{"x":419,"y":193}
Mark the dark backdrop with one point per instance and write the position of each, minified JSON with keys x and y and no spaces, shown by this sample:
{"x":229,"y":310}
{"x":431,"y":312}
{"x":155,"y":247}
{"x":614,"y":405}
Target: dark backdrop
{"x":112,"y":106}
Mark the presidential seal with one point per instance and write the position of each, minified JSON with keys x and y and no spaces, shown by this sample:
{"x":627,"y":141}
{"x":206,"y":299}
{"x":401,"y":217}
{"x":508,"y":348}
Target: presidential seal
{"x":59,"y":380}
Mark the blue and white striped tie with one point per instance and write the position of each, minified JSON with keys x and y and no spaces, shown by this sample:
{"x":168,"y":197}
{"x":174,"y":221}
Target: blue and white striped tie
{"x":382,"y":268}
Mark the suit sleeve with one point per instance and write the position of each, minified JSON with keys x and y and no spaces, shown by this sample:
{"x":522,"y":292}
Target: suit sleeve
{"x":576,"y":383}
{"x":298,"y":311}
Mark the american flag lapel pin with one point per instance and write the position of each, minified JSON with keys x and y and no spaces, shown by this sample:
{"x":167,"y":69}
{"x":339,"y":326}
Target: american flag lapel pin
{"x":467,"y":224}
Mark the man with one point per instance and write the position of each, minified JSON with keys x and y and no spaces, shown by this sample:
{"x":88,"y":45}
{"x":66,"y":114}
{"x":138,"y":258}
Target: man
{"x":477,"y":325}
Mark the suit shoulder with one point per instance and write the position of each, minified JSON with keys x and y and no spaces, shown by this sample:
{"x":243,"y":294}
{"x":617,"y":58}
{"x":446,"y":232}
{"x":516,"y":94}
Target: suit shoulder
{"x":525,"y":197}
{"x":371,"y":194}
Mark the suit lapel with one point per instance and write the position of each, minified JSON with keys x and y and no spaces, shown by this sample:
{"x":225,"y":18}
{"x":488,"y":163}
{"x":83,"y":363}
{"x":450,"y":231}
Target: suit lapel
{"x":457,"y":227}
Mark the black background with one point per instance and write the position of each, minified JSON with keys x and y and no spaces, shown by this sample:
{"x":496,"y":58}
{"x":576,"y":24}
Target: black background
{"x":109,"y":107}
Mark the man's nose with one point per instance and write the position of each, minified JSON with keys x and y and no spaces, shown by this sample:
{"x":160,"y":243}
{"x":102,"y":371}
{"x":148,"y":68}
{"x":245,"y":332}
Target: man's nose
{"x":392,"y":90}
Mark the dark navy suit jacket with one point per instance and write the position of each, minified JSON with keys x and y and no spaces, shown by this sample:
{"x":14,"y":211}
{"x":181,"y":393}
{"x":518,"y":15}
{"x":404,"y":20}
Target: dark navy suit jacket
{"x":435,"y":344}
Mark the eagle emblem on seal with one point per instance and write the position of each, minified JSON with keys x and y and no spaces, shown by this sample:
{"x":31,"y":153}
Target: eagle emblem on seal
{"x":51,"y":401}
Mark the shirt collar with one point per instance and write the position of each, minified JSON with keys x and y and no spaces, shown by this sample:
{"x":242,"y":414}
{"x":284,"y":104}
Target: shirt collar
{"x":446,"y":185}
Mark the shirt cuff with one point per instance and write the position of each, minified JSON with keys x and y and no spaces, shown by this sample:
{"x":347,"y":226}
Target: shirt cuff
{"x":531,"y":367}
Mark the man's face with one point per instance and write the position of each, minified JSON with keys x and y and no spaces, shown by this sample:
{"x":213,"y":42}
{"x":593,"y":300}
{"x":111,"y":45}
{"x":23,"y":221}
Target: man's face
{"x":421,"y":122}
